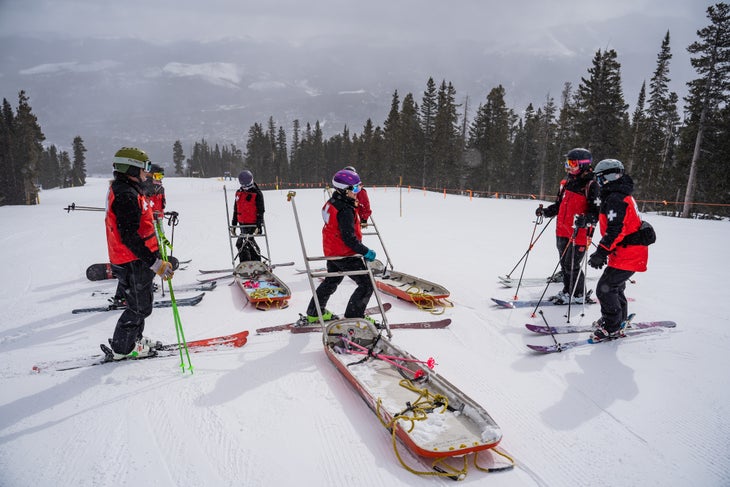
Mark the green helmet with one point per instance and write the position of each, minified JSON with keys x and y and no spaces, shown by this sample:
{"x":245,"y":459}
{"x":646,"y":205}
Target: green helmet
{"x":127,"y":157}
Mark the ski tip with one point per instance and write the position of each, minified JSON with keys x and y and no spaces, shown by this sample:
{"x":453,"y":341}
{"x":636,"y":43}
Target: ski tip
{"x":503,"y":303}
{"x":536,"y":328}
{"x":540,"y":348}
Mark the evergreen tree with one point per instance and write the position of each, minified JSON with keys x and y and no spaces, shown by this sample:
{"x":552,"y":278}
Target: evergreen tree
{"x":711,"y":60}
{"x":393,"y":142}
{"x":178,"y":158}
{"x":547,"y":151}
{"x":428,"y":125}
{"x":50,"y":170}
{"x":64,"y":163}
{"x":27,"y":146}
{"x":79,"y":163}
{"x":412,"y":140}
{"x":655,"y":172}
{"x":489,"y":134}
{"x":7,"y":163}
{"x":447,"y":143}
{"x":601,"y":111}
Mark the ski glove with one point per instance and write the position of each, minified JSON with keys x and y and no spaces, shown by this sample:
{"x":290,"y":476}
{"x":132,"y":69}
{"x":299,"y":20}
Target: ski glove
{"x":599,"y":258}
{"x":163,"y":269}
{"x":369,"y":255}
{"x":540,"y":211}
{"x":580,"y":221}
{"x":173,"y":260}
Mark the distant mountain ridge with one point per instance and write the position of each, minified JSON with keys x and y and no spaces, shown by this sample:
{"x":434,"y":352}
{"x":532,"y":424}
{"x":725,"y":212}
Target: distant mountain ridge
{"x":115,"y":92}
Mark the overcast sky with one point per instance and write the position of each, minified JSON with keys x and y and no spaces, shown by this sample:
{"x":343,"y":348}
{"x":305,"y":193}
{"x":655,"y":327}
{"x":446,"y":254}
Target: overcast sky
{"x":498,"y":22}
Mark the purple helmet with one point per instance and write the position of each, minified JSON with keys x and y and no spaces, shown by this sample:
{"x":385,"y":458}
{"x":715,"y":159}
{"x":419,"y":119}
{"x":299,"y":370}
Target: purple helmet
{"x":246,"y":179}
{"x":345,"y":180}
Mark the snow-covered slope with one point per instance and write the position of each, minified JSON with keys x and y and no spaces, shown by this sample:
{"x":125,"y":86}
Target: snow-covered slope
{"x":647,"y":411}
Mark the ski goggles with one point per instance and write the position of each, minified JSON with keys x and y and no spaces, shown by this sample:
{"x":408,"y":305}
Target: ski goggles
{"x":355,"y":188}
{"x":575,"y":163}
{"x":158,"y":176}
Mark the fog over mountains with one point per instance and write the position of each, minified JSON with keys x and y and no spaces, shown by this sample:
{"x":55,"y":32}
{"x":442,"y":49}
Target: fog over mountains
{"x":122,"y":91}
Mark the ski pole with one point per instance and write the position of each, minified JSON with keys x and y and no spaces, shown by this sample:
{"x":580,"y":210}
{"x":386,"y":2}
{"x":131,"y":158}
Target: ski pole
{"x":74,"y":207}
{"x":532,"y":242}
{"x":560,"y":259}
{"x":180,"y":334}
{"x":538,"y":221}
{"x":430,"y":363}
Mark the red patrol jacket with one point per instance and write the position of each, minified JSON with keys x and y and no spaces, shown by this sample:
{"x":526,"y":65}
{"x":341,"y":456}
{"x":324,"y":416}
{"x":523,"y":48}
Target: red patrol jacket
{"x":572,"y":204}
{"x":332,"y":242}
{"x":118,"y":252}
{"x":621,"y":256}
{"x":246,"y":207}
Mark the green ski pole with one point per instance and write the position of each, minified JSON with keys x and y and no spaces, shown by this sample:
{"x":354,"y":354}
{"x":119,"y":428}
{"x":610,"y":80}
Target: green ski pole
{"x":182,"y":343}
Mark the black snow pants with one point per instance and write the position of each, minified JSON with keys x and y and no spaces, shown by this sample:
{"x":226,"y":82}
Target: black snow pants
{"x":359,"y":299}
{"x":610,"y":293}
{"x":571,"y":257}
{"x":135,"y":280}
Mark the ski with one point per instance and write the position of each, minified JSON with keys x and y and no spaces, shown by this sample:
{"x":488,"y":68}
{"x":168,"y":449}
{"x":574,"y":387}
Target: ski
{"x":214,"y":271}
{"x":236,"y":340}
{"x":191,"y":301}
{"x":413,"y":325}
{"x":304,"y":271}
{"x":315,"y":326}
{"x":530,"y":303}
{"x":589,"y":341}
{"x":216,"y":278}
{"x":544,"y":330}
{"x":201,"y":286}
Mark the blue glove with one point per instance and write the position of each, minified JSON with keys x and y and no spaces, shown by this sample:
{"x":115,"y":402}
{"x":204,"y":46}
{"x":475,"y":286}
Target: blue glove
{"x":369,"y":256}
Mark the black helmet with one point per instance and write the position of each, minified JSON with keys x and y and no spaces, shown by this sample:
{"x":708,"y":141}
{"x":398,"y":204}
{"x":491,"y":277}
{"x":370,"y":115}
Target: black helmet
{"x":245,"y":178}
{"x":608,"y":170}
{"x":578,"y":160}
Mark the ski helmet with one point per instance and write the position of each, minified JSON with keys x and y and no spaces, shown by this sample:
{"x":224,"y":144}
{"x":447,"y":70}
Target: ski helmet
{"x":127,"y":158}
{"x":158,"y":172}
{"x":578,"y":160}
{"x":350,"y":168}
{"x":245,"y":178}
{"x":345,"y":179}
{"x":608,"y":170}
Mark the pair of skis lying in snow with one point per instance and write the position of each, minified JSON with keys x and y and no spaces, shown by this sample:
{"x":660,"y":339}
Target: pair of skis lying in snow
{"x":631,"y":330}
{"x":235,"y":340}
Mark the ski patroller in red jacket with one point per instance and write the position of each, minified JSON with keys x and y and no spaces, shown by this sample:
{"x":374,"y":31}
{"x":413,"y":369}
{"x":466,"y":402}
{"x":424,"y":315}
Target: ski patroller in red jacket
{"x":248,"y":208}
{"x":341,"y":234}
{"x":619,"y":217}
{"x":363,"y":205}
{"x":578,"y":195}
{"x":130,"y":228}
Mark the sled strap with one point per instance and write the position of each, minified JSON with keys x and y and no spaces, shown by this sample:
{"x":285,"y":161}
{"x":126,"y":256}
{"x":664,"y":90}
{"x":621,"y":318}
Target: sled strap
{"x":499,"y":468}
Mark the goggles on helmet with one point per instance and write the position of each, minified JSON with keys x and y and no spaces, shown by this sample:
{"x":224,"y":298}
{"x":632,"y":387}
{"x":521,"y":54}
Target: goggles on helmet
{"x":575,"y":163}
{"x":356,"y":188}
{"x":607,"y":175}
{"x":158,"y":176}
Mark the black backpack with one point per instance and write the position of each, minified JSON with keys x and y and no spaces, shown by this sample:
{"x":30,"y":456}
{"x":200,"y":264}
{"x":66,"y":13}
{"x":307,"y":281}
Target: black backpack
{"x":645,"y":235}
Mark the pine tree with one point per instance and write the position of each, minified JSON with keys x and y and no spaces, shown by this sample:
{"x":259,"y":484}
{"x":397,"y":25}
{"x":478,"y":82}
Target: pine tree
{"x":447,"y":143}
{"x":392,"y":133}
{"x":178,"y":158}
{"x":428,"y":117}
{"x":489,"y":134}
{"x":601,"y":118}
{"x":64,"y":163}
{"x":412,"y":139}
{"x":27,"y":145}
{"x":79,"y":163}
{"x":708,"y":92}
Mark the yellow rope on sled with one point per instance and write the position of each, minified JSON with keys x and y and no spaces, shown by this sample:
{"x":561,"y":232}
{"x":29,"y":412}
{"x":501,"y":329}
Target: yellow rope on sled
{"x":419,"y":408}
{"x":264,"y":297}
{"x":427,"y":302}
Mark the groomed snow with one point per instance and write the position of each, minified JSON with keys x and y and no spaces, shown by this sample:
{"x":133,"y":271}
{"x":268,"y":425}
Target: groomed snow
{"x":650,"y":411}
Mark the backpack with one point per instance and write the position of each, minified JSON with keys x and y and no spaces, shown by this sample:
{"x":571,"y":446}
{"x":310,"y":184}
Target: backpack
{"x":645,"y":235}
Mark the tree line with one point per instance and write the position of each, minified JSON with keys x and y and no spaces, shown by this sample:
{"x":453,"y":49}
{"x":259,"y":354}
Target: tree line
{"x":25,"y":165}
{"x":675,"y":160}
